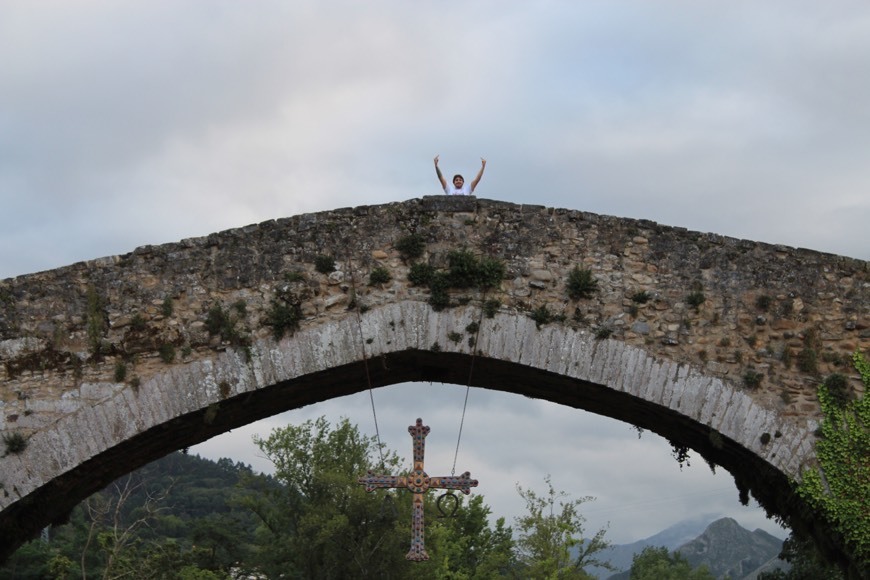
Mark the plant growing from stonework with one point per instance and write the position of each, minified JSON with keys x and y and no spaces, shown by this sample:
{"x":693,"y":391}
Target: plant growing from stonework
{"x":379,"y":275}
{"x":641,"y":297}
{"x":95,"y":319}
{"x":15,"y":443}
{"x":695,"y":299}
{"x":490,"y":307}
{"x":839,"y":487}
{"x":421,"y":274}
{"x":120,"y":371}
{"x":411,"y":247}
{"x":581,"y":283}
{"x":283,"y":316}
{"x":752,"y":379}
{"x":465,"y":270}
{"x":223,"y":323}
{"x":324,"y":264}
{"x":541,"y":315}
{"x":167,"y":352}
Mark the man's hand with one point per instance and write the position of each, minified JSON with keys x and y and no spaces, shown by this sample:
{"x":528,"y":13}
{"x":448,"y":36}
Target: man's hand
{"x":438,"y":173}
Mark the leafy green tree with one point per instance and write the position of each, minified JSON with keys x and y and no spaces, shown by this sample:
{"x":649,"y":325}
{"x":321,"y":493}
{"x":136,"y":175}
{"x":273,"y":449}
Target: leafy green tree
{"x":551,"y":532}
{"x":659,"y":564}
{"x":806,"y":563}
{"x":465,"y":546}
{"x":319,"y":523}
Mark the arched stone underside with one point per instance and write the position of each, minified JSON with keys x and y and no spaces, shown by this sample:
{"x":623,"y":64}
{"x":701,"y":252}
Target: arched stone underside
{"x":187,"y":404}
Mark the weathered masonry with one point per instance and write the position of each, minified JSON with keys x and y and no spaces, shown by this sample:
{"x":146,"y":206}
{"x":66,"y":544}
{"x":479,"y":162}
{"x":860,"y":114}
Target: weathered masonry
{"x":713,"y":342}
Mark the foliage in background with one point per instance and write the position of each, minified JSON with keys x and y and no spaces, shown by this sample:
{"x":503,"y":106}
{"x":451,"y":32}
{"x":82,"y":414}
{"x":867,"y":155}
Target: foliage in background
{"x":550,"y":531}
{"x":805,"y":561}
{"x":173,"y":514}
{"x":657,"y":563}
{"x":840,"y":487}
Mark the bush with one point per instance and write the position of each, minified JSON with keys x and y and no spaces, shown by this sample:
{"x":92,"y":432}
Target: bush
{"x":807,"y":360}
{"x":421,"y":274}
{"x":379,"y":275}
{"x":581,"y":283}
{"x":695,"y":299}
{"x":752,"y":379}
{"x":411,"y":247}
{"x":838,"y":388}
{"x":463,"y":269}
{"x":641,"y":297}
{"x":167,"y":352}
{"x":15,"y":443}
{"x":120,"y":372}
{"x":438,"y":285}
{"x":137,"y":323}
{"x":283,"y":316}
{"x":490,"y":273}
{"x":490,"y":307}
{"x":541,"y":315}
{"x":324,"y":264}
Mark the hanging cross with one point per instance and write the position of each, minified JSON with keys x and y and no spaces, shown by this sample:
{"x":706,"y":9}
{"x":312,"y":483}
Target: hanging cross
{"x":418,"y":482}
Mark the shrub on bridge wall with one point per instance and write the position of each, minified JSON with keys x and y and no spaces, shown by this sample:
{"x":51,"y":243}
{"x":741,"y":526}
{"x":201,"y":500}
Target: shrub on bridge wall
{"x":411,"y":247}
{"x":465,"y":270}
{"x":581,"y":283}
{"x":379,"y":275}
{"x":324,"y":264}
{"x":283,"y":316}
{"x":840,"y":487}
{"x":15,"y":443}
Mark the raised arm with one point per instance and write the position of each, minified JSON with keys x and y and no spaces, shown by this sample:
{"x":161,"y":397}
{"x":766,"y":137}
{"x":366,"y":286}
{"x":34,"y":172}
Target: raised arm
{"x":438,"y":172}
{"x":479,"y":174}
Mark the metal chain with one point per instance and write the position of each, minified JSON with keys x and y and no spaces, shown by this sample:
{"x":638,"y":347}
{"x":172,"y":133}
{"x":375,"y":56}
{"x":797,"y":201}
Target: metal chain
{"x":467,"y":389}
{"x":366,"y":365}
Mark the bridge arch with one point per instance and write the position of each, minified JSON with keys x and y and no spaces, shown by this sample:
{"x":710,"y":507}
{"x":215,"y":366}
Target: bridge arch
{"x":687,"y":316}
{"x":402,"y":342}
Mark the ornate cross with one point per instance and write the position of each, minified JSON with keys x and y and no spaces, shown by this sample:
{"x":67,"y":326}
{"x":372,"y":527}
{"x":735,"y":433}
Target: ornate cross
{"x":418,"y":482}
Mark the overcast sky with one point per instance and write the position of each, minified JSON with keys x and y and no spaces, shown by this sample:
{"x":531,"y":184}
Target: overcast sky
{"x":132,"y":123}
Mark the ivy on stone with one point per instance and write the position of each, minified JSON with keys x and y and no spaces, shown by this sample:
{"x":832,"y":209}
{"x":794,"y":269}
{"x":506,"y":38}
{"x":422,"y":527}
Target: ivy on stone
{"x":839,"y":487}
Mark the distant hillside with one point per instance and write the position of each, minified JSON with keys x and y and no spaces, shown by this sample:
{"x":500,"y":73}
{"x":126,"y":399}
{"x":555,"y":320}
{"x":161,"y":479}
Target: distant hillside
{"x":620,"y":555}
{"x":724,"y":546}
{"x":729,"y":549}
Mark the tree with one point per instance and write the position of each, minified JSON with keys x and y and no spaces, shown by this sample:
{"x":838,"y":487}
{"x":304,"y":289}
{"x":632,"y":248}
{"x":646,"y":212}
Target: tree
{"x":319,"y":522}
{"x":464,"y":545}
{"x":114,"y":534}
{"x":660,"y":564}
{"x":806,"y":563}
{"x":551,"y":532}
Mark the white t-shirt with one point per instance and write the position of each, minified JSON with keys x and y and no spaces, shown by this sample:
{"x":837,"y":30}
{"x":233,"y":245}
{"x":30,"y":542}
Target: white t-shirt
{"x":464,"y":190}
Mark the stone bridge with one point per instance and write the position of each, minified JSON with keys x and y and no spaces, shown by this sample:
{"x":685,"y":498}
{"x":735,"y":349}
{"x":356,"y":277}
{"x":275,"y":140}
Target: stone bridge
{"x":715,"y":343}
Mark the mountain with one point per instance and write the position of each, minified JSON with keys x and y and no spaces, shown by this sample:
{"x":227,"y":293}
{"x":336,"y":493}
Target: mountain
{"x":729,"y":549}
{"x":724,"y":546}
{"x":621,"y":555}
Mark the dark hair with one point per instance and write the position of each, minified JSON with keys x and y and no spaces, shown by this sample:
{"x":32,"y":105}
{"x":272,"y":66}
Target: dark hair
{"x":459,"y":176}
